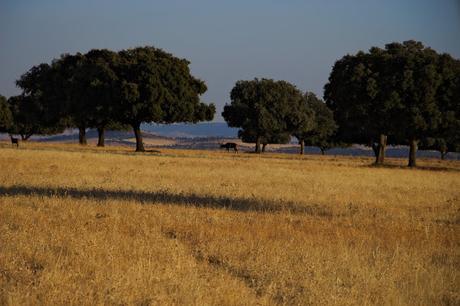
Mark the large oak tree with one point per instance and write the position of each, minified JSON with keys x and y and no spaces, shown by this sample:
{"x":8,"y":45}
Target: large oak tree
{"x":393,"y":91}
{"x":360,"y":94}
{"x":156,"y":86}
{"x":417,"y":79}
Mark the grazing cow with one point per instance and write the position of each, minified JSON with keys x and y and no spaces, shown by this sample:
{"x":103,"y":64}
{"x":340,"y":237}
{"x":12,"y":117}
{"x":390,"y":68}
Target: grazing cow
{"x":230,"y":145}
{"x":14,"y":141}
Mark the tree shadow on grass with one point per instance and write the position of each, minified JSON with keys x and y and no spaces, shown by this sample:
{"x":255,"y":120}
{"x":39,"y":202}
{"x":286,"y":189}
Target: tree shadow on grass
{"x":426,"y":168}
{"x":167,"y":197}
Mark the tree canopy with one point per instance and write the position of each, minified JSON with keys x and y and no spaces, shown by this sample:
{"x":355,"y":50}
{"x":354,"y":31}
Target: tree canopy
{"x":157,"y":87}
{"x":90,"y":86}
{"x":446,"y":138}
{"x":360,"y":94}
{"x":39,"y":109}
{"x":264,"y":109}
{"x":103,"y":89}
{"x":30,"y":118}
{"x":6,"y":117}
{"x":392,"y":91}
{"x":324,"y":126}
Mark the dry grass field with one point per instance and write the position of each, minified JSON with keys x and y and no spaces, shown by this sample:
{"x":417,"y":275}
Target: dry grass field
{"x":84,"y":226}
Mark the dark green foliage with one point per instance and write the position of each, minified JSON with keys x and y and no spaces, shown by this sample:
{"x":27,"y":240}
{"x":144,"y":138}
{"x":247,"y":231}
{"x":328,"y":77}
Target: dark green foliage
{"x":157,"y":87}
{"x":265,"y":109}
{"x":6,"y":117}
{"x":39,"y":109}
{"x":418,"y":74}
{"x":323,"y":128}
{"x":30,"y":118}
{"x":92,"y":90}
{"x":362,"y":98}
{"x":204,"y":112}
{"x":417,"y":81}
{"x":102,"y":89}
{"x":73,"y":85}
{"x":88,"y":85}
{"x":446,"y":137}
{"x":394,"y":91}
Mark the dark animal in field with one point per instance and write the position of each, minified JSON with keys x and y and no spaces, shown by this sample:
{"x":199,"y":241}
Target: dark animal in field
{"x":230,"y":145}
{"x":14,"y":141}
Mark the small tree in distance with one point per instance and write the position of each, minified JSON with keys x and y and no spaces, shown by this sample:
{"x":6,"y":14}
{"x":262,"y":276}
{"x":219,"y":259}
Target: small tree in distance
{"x":265,"y":110}
{"x":323,"y":128}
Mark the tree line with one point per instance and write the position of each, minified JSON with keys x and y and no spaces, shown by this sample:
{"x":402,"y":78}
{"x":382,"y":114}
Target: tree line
{"x":268,"y":111}
{"x":104,"y":89}
{"x":402,"y":94}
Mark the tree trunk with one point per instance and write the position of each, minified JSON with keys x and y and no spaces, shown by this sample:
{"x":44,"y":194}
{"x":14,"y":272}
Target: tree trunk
{"x":82,"y":136}
{"x":257,"y":150}
{"x":323,"y":151}
{"x":138,"y":133}
{"x":381,"y":150}
{"x":413,"y":153}
{"x":302,"y":147}
{"x":264,"y":145}
{"x":375,"y":148}
{"x":443,"y":154}
{"x":443,"y":149}
{"x":101,"y":137}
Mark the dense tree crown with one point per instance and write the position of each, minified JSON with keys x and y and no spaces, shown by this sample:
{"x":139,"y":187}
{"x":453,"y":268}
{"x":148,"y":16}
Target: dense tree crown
{"x":393,"y":91}
{"x":446,"y":138}
{"x":158,"y":87}
{"x":88,"y":84}
{"x":6,"y":118}
{"x":103,"y":89}
{"x":39,"y":109}
{"x":265,"y":109}
{"x":323,"y":128}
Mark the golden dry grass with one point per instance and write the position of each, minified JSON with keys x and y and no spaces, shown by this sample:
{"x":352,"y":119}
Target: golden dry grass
{"x":81,"y":226}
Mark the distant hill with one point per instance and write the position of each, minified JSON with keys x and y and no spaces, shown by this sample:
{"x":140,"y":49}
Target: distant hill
{"x":177,"y":130}
{"x":187,"y":130}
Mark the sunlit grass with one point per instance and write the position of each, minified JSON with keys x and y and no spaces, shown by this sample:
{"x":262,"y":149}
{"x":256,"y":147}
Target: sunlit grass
{"x":107,"y":226}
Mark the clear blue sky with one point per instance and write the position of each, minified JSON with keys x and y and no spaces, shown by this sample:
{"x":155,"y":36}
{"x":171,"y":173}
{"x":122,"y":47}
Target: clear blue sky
{"x":226,"y":41}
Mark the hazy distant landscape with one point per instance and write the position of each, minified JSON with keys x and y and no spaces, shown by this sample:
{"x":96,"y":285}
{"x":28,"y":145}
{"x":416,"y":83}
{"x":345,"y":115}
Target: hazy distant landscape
{"x":208,"y":136}
{"x":200,"y":130}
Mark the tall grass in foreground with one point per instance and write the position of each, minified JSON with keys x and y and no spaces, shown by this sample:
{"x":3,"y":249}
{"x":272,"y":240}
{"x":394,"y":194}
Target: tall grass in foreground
{"x":107,"y":227}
